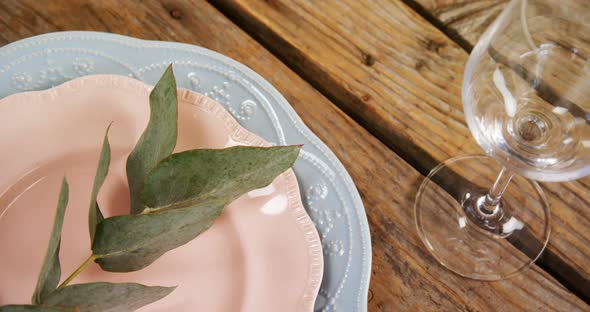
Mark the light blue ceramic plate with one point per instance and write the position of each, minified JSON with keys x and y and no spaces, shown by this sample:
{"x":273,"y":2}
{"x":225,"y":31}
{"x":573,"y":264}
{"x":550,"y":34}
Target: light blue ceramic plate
{"x":328,"y":192}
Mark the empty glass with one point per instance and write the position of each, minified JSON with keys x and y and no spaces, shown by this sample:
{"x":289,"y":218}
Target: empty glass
{"x":526,"y":97}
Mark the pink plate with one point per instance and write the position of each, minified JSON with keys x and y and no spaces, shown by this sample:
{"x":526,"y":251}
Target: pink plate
{"x":262,"y":254}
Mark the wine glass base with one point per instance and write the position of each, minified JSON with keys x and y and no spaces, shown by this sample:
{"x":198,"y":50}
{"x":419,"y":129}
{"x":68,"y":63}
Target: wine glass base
{"x":481,"y":244}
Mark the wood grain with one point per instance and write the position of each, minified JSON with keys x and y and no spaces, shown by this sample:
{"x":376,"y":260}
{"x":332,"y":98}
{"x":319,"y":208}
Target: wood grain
{"x":404,"y":277}
{"x":466,"y":18}
{"x":400,"y":77}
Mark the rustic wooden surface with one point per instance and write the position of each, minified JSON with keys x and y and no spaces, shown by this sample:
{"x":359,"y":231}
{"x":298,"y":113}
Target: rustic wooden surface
{"x":397,"y":80}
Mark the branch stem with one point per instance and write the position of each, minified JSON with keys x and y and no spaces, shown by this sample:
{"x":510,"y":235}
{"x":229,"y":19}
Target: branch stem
{"x":78,"y":271}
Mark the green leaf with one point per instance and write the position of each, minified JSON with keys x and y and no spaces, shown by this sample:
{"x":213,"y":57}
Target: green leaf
{"x":35,"y":308}
{"x":51,"y":269}
{"x":107,"y":297}
{"x":159,"y":138}
{"x":195,"y":176}
{"x":95,"y":215}
{"x":189,"y":191}
{"x":132,"y":242}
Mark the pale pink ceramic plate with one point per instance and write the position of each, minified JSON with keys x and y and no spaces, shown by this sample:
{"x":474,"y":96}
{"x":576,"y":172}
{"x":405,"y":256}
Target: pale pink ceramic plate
{"x":262,"y":254}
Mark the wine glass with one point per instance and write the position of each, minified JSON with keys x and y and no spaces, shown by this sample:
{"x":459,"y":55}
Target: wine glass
{"x":526,"y":97}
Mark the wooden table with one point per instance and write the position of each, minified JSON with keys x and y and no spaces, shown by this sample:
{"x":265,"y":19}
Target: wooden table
{"x":378,"y":81}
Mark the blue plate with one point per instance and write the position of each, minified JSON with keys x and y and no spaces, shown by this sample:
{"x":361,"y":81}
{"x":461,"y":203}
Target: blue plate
{"x":328,"y":192}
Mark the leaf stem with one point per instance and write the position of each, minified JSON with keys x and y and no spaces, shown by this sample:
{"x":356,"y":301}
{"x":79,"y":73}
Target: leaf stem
{"x":78,"y":271}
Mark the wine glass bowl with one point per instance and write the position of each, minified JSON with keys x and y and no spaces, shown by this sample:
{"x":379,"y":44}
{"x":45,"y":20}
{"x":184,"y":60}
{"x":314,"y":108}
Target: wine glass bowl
{"x":526,"y":91}
{"x":526,"y":98}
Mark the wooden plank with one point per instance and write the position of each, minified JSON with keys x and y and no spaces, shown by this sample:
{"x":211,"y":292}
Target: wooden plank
{"x":466,"y":18}
{"x":400,"y":77}
{"x":404,"y":277}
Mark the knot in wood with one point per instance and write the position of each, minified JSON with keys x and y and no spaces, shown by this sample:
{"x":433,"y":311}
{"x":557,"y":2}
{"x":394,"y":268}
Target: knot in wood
{"x":368,"y":59}
{"x":176,"y":14}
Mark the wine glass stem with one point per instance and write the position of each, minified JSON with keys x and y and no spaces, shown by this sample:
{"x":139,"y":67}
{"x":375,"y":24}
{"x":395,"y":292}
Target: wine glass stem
{"x":494,"y":195}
